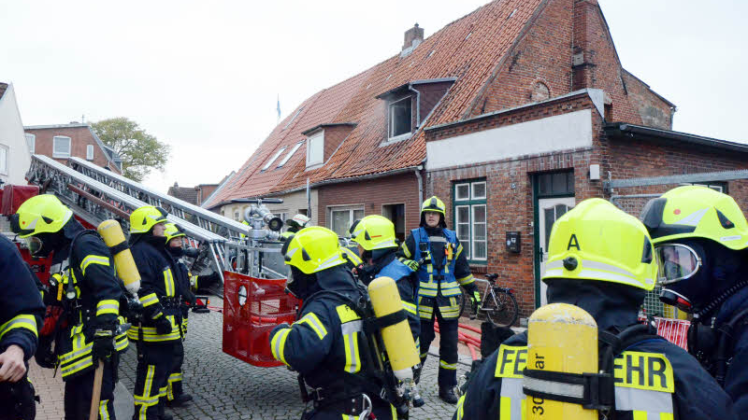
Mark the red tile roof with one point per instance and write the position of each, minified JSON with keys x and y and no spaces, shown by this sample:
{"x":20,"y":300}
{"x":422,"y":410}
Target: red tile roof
{"x":469,"y":49}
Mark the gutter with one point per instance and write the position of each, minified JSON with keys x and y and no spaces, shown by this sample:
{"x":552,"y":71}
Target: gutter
{"x":418,"y":170}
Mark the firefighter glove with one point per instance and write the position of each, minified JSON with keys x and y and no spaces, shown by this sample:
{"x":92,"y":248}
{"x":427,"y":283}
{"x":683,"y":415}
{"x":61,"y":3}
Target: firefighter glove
{"x":412,"y":264}
{"x":163,"y":326}
{"x":103,"y":344}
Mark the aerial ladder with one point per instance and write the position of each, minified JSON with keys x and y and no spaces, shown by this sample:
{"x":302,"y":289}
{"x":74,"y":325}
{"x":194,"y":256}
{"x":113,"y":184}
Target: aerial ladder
{"x":246,"y":257}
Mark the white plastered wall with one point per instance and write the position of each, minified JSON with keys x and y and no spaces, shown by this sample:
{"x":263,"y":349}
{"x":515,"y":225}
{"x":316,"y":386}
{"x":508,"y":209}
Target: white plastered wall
{"x":13,"y":137}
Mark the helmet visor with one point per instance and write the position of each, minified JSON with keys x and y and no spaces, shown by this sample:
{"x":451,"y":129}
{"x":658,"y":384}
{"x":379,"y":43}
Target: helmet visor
{"x":33,"y":244}
{"x":676,"y":262}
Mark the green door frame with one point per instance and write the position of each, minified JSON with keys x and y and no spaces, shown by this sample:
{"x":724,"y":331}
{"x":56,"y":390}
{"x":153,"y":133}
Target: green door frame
{"x":536,"y":197}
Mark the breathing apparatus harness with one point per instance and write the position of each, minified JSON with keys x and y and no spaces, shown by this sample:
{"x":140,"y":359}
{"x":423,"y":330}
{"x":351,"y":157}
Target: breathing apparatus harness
{"x":599,"y":388}
{"x":710,"y":344}
{"x":350,"y":393}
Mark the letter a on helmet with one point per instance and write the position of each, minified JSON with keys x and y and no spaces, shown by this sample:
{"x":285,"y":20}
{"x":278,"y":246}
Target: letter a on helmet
{"x":617,"y":247}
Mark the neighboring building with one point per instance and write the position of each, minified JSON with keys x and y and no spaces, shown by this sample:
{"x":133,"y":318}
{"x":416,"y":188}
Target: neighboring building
{"x":15,"y":158}
{"x":511,"y":114}
{"x":193,"y":195}
{"x":75,"y":139}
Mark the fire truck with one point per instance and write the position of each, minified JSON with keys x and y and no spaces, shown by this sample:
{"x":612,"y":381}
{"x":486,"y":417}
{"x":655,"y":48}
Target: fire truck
{"x":242,"y":260}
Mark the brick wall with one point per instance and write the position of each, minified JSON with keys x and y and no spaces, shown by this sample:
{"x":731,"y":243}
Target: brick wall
{"x":80,"y":138}
{"x":653,"y":110}
{"x":431,"y":94}
{"x":372,"y":195}
{"x":333,"y":137}
{"x":542,"y":56}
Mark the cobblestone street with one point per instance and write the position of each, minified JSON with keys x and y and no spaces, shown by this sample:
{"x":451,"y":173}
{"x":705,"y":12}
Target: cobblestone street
{"x":226,"y":388}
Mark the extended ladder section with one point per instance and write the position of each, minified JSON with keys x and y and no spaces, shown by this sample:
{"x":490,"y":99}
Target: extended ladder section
{"x":95,"y":202}
{"x":227,"y":228}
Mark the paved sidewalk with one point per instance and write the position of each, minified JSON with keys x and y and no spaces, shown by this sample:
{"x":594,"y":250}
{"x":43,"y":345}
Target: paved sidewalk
{"x":224,"y":387}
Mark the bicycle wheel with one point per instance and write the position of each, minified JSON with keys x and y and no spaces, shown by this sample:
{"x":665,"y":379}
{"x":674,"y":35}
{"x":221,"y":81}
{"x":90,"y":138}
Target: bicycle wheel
{"x":501,"y":308}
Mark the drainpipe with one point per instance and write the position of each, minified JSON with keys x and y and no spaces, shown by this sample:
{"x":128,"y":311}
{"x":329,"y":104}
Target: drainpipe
{"x":418,"y":170}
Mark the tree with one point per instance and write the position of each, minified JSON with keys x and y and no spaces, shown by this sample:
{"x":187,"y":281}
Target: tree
{"x":140,"y":152}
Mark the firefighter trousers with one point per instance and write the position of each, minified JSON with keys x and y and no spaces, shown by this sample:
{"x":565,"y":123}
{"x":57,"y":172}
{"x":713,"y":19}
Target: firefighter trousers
{"x":447,"y":347}
{"x":79,"y":392}
{"x":17,"y":400}
{"x":151,"y":381}
{"x":175,"y":376}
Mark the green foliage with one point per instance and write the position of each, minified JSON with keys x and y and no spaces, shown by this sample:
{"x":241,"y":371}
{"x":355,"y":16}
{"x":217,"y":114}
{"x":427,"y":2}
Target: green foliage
{"x":140,"y":151}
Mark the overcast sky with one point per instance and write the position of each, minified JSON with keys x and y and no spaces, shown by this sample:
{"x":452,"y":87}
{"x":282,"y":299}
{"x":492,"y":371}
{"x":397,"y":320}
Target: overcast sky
{"x":204,"y":76}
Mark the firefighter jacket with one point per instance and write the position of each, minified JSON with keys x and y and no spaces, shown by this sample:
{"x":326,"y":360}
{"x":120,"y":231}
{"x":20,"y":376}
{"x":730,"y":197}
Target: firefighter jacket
{"x":326,"y":344}
{"x":185,"y":294}
{"x":654,"y":379}
{"x":88,"y":264}
{"x":736,"y":380}
{"x":21,"y":307}
{"x":159,"y":292}
{"x":387,"y":265}
{"x":443,"y":268}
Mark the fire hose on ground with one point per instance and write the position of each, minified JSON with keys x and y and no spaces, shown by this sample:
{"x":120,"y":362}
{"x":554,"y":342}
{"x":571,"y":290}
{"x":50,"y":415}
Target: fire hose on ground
{"x":472,"y":342}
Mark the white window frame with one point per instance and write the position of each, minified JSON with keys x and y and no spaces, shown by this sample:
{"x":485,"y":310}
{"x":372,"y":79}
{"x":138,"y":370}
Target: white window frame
{"x":90,"y":152}
{"x":469,"y":203}
{"x":457,"y":188}
{"x":272,"y":159}
{"x":31,"y":142}
{"x":4,"y":160}
{"x":351,"y":215}
{"x":57,"y":154}
{"x":403,"y":136}
{"x":290,"y":154}
{"x":311,"y":141}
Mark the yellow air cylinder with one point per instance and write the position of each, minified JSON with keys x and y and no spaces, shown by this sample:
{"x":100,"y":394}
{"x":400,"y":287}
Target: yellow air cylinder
{"x":561,"y":338}
{"x":114,"y":238}
{"x":398,"y":341}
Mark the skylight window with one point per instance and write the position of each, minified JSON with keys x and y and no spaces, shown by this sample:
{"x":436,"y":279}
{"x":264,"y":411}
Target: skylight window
{"x":288,"y":156}
{"x":293,"y":118}
{"x":275,"y":156}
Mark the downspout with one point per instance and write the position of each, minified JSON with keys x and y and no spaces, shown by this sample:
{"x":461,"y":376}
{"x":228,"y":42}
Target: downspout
{"x":418,"y":170}
{"x":418,"y":105}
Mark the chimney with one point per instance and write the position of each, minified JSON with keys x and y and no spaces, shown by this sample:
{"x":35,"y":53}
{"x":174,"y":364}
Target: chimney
{"x":583,"y":52}
{"x":413,"y":37}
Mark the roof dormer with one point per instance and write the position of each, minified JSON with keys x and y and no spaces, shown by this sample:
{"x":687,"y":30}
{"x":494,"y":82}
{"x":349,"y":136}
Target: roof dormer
{"x":323,"y":140}
{"x":410,"y":104}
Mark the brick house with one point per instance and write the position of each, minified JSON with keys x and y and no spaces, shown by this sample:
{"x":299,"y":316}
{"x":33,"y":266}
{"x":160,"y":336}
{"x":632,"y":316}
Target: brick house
{"x":194,"y":195}
{"x":511,"y":114}
{"x":75,"y":139}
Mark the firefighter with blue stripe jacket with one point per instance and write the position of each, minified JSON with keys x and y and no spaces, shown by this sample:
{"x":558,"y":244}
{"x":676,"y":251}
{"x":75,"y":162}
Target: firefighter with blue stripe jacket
{"x":174,"y":241}
{"x":442,"y":267}
{"x":89,"y":292}
{"x":375,"y":236}
{"x":21,"y":311}
{"x":326,"y":345}
{"x":156,"y":330}
{"x":602,"y":260}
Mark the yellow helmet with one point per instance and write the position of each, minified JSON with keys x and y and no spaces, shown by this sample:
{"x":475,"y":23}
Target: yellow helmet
{"x":434,"y":204}
{"x":40,"y":214}
{"x":144,"y":218}
{"x":696,"y":212}
{"x":312,"y":250}
{"x":374,"y":232}
{"x":597,"y":241}
{"x":173,"y":231}
{"x":351,"y":256}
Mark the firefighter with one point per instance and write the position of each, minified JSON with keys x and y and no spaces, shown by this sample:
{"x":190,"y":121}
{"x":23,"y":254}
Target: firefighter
{"x":377,"y":245}
{"x":90,"y":295}
{"x":157,"y":331}
{"x":602,"y":260}
{"x":21,"y":312}
{"x":295,"y":224}
{"x":701,"y":238}
{"x":174,"y":241}
{"x":326,"y":345}
{"x":442,"y":268}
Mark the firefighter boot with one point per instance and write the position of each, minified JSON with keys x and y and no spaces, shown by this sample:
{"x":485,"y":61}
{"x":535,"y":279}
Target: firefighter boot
{"x":448,"y":395}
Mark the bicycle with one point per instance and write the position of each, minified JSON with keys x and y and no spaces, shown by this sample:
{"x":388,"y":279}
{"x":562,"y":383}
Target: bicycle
{"x":498,"y":304}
